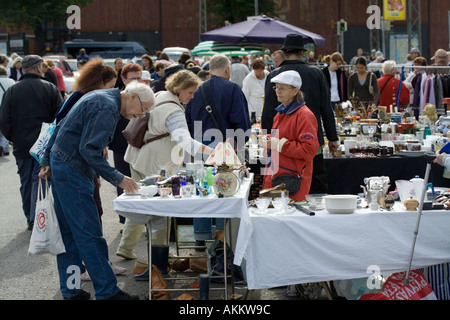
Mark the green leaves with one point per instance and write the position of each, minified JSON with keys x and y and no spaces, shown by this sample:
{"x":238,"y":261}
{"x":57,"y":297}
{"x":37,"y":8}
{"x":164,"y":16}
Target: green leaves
{"x":30,"y":13}
{"x":237,"y":10}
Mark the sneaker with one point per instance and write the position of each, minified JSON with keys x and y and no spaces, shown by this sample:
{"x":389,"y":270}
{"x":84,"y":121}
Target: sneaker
{"x":81,"y":295}
{"x":118,"y":270}
{"x":144,"y":276}
{"x":125,"y":253}
{"x":290,"y":291}
{"x":122,"y":295}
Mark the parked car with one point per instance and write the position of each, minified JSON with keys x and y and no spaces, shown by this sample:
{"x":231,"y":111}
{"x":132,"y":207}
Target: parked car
{"x":61,"y":62}
{"x":175,"y":52}
{"x":68,"y":67}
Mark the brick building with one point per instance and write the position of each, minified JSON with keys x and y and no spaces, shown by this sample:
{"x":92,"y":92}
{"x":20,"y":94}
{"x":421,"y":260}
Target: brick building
{"x":158,"y":24}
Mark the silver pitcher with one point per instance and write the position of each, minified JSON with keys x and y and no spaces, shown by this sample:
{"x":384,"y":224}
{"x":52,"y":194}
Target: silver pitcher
{"x":375,"y":187}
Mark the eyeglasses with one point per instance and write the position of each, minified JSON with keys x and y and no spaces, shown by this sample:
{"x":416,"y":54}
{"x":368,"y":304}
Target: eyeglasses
{"x":136,"y":78}
{"x":275,"y":88}
{"x":142,"y":114}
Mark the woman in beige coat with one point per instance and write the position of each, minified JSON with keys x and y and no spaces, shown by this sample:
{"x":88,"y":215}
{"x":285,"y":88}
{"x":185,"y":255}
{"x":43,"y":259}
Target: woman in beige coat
{"x":166,"y":118}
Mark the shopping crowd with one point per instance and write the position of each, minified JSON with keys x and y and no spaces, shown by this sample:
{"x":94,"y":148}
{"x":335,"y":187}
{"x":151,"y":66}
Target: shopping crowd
{"x":292,"y":97}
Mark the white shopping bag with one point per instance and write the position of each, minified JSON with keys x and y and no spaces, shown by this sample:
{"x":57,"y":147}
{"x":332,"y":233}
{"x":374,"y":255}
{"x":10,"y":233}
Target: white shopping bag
{"x":38,"y":148}
{"x":46,"y":236}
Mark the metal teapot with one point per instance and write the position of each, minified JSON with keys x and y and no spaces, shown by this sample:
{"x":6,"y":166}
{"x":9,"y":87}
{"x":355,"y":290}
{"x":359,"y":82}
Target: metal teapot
{"x":375,"y":188}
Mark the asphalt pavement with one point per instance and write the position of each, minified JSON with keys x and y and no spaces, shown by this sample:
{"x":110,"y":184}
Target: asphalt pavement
{"x":35,"y":277}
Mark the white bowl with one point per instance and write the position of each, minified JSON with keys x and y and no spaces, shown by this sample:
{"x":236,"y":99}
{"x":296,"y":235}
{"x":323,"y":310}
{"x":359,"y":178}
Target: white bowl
{"x":280,"y":203}
{"x":262,"y":203}
{"x":316,"y":200}
{"x":149,"y":191}
{"x":341,"y":203}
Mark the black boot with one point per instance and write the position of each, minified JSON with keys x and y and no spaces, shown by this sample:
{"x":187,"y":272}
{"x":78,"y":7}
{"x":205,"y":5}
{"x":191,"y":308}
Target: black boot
{"x":160,"y":258}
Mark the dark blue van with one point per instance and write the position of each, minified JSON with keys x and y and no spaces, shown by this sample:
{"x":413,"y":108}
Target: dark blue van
{"x":105,"y":49}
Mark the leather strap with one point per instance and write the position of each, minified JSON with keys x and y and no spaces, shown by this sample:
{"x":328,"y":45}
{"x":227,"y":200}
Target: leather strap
{"x":156,"y":138}
{"x":209,"y":109}
{"x":162,"y":135}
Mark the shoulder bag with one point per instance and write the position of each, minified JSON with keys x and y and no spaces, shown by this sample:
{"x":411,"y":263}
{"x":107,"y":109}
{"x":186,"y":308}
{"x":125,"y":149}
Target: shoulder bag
{"x":136,"y":128}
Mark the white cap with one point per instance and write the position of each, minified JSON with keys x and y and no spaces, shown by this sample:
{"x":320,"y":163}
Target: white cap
{"x":290,"y":77}
{"x":146,"y":75}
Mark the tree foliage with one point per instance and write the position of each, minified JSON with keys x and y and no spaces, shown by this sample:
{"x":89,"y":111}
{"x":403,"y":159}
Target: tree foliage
{"x":237,"y":10}
{"x":31,"y":13}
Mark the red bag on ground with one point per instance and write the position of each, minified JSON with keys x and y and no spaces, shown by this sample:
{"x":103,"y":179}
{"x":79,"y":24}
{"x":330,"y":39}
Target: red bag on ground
{"x":394,"y":289}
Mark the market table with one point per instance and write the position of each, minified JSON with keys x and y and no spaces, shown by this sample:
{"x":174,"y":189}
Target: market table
{"x":296,"y":248}
{"x":346,"y":175}
{"x":149,"y":211}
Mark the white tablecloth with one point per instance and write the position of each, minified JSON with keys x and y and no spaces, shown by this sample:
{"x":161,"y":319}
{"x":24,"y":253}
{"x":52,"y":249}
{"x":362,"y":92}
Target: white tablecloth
{"x":297,"y":248}
{"x":142,"y":210}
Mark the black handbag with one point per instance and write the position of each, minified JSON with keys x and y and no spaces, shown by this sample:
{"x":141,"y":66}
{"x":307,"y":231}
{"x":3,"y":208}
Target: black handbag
{"x":291,"y":181}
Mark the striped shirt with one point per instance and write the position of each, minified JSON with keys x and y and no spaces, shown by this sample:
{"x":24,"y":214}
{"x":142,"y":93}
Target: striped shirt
{"x":177,"y":126}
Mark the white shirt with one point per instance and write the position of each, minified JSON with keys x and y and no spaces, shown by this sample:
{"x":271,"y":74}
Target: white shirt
{"x":334,"y":87}
{"x":6,"y":83}
{"x":253,"y":89}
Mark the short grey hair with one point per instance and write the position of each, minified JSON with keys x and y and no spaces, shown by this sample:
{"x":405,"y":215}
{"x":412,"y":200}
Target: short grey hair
{"x":388,"y":67}
{"x":144,"y":92}
{"x":441,"y":53}
{"x":219,"y":62}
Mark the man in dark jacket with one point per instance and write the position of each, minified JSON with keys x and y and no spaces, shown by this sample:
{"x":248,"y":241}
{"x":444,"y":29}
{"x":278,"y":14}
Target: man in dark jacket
{"x":228,"y":103}
{"x":25,"y":107}
{"x":230,"y":112}
{"x":317,"y":98}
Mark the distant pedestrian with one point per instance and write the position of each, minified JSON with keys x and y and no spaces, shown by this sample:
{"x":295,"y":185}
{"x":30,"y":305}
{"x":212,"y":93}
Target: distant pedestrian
{"x":238,"y":71}
{"x":5,"y":83}
{"x":24,"y":107}
{"x":59,"y":76}
{"x":82,"y":57}
{"x":16,"y":72}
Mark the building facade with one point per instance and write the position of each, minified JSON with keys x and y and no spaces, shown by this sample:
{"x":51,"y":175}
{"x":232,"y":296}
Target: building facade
{"x":158,"y":24}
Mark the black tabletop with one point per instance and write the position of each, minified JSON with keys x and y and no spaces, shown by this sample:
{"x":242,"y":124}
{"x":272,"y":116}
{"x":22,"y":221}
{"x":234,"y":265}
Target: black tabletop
{"x":346,"y":175}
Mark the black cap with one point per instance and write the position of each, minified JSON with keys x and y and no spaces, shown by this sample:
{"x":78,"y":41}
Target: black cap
{"x":293,"y":42}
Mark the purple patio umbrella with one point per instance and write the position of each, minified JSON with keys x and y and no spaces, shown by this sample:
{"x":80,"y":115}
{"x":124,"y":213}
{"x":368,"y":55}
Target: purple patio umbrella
{"x":260,"y":30}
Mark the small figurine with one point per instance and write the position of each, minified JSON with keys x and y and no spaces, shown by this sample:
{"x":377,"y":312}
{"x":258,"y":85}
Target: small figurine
{"x":411,"y":204}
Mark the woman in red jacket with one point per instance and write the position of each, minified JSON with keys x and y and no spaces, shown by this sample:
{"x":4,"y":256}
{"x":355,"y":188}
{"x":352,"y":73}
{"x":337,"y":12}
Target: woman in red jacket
{"x":293,"y":142}
{"x":388,"y":85}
